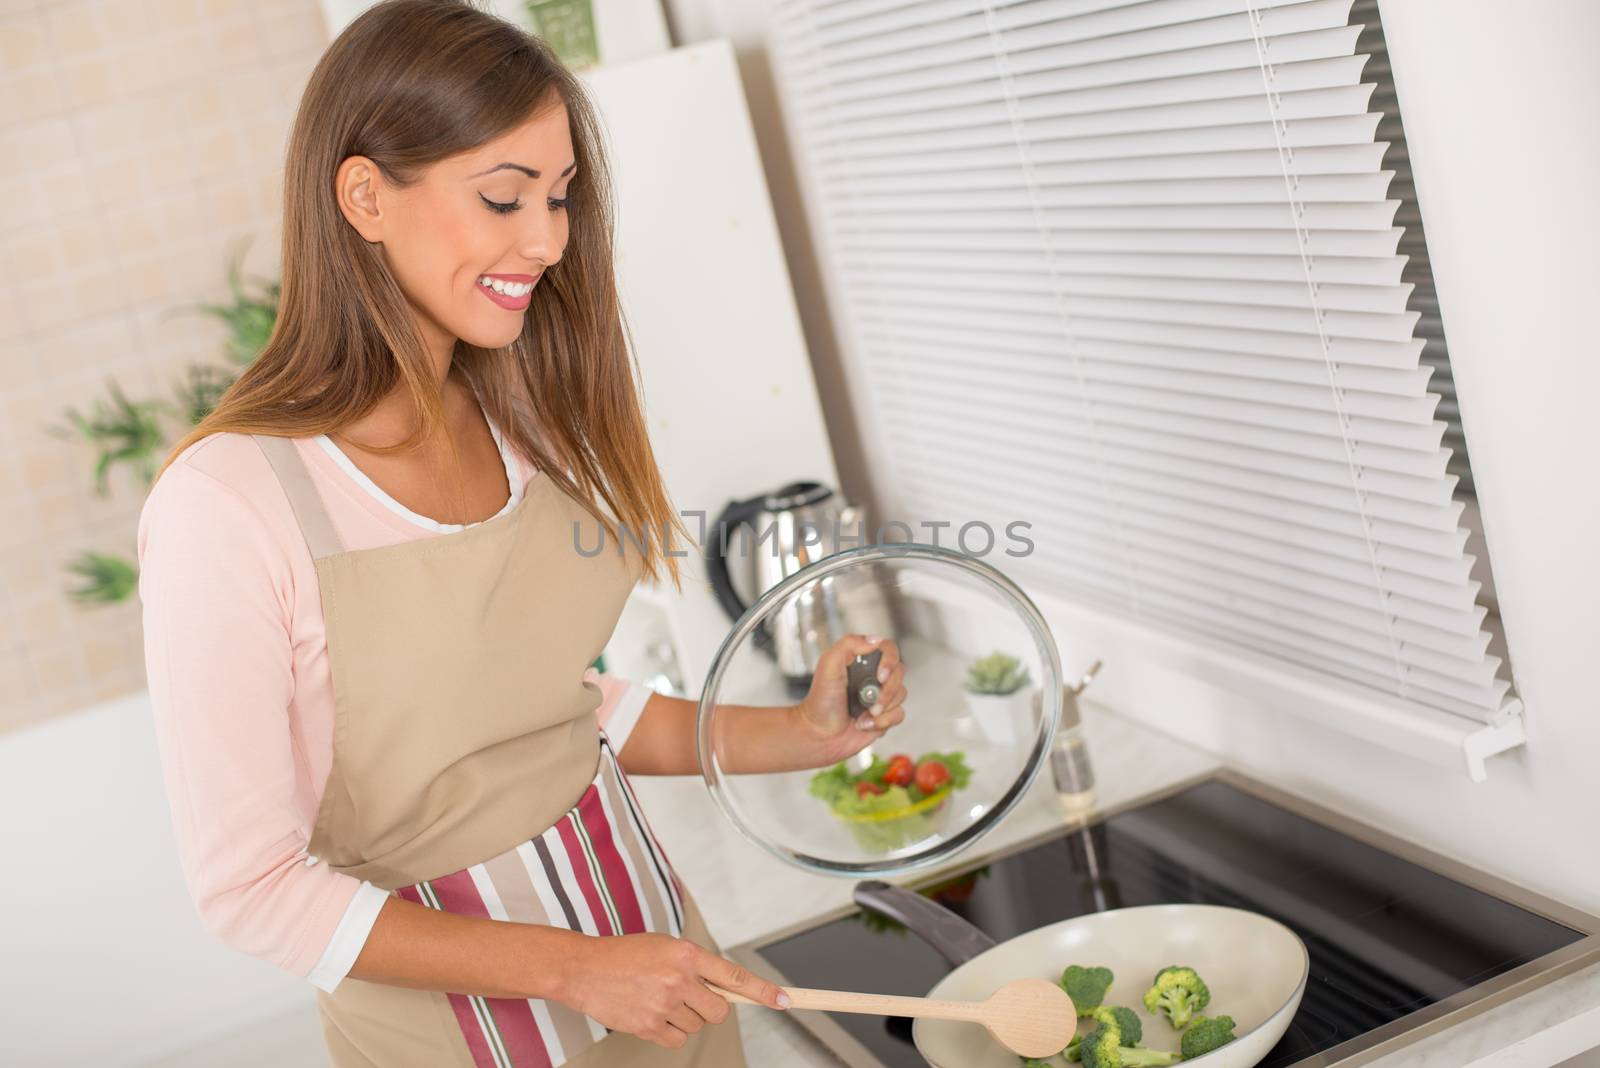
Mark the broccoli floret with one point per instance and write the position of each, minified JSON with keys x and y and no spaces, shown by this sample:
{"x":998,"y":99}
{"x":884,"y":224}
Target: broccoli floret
{"x":1205,"y":1034}
{"x":1130,"y":1030}
{"x":1034,"y":1062}
{"x":1073,"y":1052}
{"x":1103,"y":1016}
{"x":1128,"y":1023}
{"x":1107,"y":1045}
{"x":1086,"y":986}
{"x":1177,"y":993}
{"x":1102,"y":1048}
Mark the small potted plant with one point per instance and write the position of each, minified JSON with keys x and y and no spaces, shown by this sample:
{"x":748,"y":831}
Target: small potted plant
{"x":997,"y":694}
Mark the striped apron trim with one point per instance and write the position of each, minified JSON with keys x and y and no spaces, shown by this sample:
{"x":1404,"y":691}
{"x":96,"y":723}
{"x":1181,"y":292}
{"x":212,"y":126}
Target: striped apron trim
{"x":599,"y":870}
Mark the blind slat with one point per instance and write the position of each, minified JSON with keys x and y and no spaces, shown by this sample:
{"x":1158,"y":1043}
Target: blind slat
{"x":1133,"y":326}
{"x":986,"y":123}
{"x":1318,"y":244}
{"x":978,"y":265}
{"x":996,"y":168}
{"x":1031,"y":292}
{"x":1033,"y":312}
{"x":935,"y":149}
{"x":1013,"y":191}
{"x":1376,"y":217}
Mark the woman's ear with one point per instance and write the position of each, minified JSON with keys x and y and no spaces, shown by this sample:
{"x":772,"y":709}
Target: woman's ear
{"x":355,"y":185}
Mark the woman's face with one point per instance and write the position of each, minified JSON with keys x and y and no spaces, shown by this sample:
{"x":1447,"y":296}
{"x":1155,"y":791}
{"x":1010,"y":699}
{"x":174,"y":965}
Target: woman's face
{"x":493,"y":215}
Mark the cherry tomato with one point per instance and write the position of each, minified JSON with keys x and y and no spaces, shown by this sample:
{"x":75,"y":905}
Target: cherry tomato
{"x":867,"y":786}
{"x":901,"y":770}
{"x":931,"y":775}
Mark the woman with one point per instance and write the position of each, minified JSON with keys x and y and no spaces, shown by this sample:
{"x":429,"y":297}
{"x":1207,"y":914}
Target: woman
{"x":369,"y":627}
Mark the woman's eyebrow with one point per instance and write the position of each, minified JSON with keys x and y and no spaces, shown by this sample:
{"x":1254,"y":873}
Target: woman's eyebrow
{"x":529,"y":171}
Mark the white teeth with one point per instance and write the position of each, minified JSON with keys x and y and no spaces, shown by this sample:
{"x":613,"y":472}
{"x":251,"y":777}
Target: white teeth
{"x":510,"y":289}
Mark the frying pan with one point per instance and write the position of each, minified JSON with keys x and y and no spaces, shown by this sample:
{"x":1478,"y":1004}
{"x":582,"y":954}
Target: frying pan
{"x":1255,"y":967}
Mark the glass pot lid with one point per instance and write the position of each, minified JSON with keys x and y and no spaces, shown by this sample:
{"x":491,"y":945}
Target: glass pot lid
{"x":982,"y":682}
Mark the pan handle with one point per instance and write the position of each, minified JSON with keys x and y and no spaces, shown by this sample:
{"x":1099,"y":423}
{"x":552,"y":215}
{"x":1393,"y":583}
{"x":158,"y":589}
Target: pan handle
{"x":956,"y":940}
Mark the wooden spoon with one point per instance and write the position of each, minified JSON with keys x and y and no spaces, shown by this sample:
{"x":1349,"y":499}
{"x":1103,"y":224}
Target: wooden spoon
{"x":1029,"y":1017}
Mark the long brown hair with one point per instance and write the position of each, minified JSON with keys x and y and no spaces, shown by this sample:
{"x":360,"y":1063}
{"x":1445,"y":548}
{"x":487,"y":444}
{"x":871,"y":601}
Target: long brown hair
{"x":407,"y":83}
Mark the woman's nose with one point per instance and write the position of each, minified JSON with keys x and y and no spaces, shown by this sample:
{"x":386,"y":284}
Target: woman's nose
{"x":544,"y":239}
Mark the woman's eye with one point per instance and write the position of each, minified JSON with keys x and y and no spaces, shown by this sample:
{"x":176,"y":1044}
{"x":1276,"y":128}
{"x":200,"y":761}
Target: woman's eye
{"x":497,"y":206}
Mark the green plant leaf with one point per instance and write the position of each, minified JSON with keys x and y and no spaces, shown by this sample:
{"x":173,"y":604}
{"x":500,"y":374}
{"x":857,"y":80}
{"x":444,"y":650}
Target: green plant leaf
{"x":200,"y":390}
{"x":107,"y":579}
{"x":124,"y":431}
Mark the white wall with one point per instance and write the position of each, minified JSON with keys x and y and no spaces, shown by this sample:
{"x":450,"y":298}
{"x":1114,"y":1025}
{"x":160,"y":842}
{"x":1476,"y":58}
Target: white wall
{"x":105,"y":960}
{"x":1503,"y":118}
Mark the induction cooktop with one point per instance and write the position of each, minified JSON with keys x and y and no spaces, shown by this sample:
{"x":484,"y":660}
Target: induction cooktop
{"x":1403,"y":941}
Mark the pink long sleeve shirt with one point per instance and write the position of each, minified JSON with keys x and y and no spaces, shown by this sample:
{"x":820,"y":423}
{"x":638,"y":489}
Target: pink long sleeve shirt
{"x":237,"y":660}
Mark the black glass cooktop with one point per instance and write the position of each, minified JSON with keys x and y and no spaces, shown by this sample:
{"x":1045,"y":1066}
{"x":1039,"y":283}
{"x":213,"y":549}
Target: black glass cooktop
{"x":1387,"y":937}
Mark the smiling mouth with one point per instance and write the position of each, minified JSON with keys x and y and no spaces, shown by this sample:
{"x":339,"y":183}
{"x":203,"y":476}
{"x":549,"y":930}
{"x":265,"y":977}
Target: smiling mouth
{"x":512,"y":286}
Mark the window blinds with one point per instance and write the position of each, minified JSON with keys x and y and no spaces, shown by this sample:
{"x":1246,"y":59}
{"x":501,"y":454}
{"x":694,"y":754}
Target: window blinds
{"x":1131,"y":272}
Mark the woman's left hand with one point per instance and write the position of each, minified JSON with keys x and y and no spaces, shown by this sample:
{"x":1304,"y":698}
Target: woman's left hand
{"x":823,"y":716}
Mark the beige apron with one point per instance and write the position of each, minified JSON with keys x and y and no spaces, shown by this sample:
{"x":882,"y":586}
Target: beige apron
{"x":470,"y":773}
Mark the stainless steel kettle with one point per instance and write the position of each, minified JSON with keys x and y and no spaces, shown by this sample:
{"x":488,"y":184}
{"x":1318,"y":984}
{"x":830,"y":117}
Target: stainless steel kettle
{"x":786,"y":529}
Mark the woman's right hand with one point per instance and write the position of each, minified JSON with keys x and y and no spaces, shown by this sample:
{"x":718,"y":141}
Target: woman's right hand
{"x":654,"y":985}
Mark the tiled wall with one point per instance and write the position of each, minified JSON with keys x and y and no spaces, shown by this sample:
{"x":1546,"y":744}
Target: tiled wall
{"x":141,"y":145}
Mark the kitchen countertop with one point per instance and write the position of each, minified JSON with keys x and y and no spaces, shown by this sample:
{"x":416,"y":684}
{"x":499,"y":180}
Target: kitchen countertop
{"x":745,"y":892}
